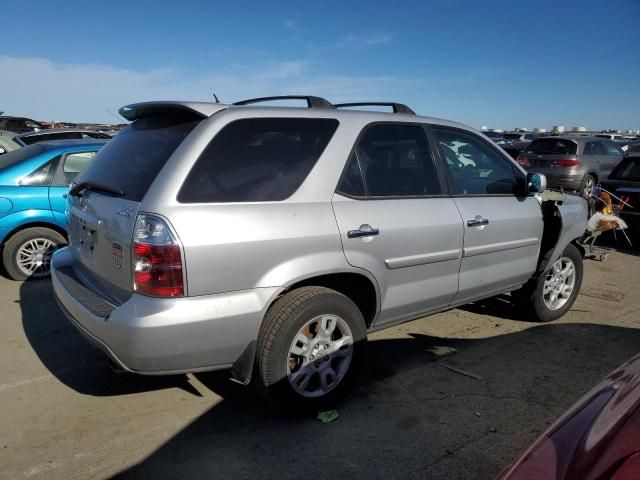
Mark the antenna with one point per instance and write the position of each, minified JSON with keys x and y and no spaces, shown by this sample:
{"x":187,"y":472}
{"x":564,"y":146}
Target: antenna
{"x":215,"y":97}
{"x":113,"y":115}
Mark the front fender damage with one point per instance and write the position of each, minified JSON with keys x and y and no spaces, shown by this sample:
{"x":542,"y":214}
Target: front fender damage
{"x":565,"y":221}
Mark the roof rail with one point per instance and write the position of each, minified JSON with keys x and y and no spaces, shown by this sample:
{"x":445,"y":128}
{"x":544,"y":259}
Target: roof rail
{"x":312,"y":102}
{"x":397,"y":107}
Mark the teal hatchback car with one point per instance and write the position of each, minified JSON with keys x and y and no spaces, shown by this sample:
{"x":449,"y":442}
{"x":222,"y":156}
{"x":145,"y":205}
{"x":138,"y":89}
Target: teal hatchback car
{"x":34,"y":182}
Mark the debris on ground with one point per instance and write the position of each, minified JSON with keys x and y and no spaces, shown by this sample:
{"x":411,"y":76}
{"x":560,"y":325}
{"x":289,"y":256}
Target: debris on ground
{"x":328,"y":416}
{"x":461,"y":372}
{"x":441,"y":350}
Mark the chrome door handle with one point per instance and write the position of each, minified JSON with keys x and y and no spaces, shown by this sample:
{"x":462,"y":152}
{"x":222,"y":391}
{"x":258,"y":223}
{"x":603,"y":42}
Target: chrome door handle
{"x":478,"y":221}
{"x":365,"y":230}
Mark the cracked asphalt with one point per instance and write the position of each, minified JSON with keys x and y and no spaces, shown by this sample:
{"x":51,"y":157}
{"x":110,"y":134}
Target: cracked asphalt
{"x":452,"y":396}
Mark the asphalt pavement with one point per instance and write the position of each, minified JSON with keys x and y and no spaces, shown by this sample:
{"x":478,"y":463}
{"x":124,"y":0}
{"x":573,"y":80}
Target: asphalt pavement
{"x":456,"y":395}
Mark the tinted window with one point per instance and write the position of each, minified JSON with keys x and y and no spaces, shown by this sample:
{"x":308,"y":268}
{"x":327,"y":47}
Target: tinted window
{"x":594,"y":148}
{"x":628,"y":169}
{"x":257,"y":160}
{"x":512,"y":136}
{"x":395,"y":160}
{"x":552,"y":146}
{"x":474,"y":166}
{"x":17,"y":156}
{"x":613,"y":149}
{"x":352,"y":182}
{"x":131,"y":161}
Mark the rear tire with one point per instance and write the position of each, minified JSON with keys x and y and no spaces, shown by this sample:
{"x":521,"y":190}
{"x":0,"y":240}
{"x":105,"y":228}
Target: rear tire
{"x":27,"y":254}
{"x":588,"y":183}
{"x":551,"y":295}
{"x":310,"y":344}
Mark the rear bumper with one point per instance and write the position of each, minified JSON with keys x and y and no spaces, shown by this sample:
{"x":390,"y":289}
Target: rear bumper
{"x":158,"y":336}
{"x":557,"y":179}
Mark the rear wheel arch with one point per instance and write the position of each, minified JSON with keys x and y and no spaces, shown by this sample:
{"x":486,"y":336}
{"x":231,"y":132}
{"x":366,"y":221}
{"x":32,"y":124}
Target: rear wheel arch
{"x":50,"y":226}
{"x":359,"y":288}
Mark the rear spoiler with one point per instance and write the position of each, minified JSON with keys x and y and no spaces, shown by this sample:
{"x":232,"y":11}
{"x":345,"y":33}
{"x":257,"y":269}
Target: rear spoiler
{"x":135,"y":111}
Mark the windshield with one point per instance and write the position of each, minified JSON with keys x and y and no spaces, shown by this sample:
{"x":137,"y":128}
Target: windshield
{"x":512,"y":136}
{"x":131,"y":161}
{"x":552,"y":146}
{"x":17,"y":156}
{"x":628,"y":169}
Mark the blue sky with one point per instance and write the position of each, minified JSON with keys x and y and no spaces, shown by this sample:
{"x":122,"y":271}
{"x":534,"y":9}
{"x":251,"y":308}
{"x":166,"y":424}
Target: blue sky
{"x":504,"y":63}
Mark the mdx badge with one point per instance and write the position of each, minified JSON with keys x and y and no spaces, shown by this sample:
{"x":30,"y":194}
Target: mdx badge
{"x":124,"y":212}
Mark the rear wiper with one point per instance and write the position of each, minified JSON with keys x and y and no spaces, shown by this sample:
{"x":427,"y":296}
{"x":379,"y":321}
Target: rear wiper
{"x":76,"y":191}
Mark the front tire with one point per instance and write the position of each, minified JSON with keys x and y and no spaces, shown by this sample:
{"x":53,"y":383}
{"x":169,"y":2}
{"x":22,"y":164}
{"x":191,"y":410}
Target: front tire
{"x":309,"y":346}
{"x":553,"y":293}
{"x":27,"y":254}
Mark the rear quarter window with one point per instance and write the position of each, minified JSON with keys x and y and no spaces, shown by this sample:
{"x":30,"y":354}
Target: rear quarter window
{"x":257,"y":160}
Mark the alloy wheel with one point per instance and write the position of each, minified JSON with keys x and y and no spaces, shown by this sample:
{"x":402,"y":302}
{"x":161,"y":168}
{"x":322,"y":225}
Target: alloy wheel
{"x":559,"y":284}
{"x":34,"y":257}
{"x":319,"y":356}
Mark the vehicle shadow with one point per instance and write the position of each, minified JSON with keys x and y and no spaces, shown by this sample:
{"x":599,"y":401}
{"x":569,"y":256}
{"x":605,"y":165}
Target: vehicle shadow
{"x":69,"y":357}
{"x":424,"y":407}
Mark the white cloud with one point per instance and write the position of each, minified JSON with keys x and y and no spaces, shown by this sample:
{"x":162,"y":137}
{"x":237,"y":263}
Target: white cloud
{"x":46,"y":90}
{"x":364,"y":40}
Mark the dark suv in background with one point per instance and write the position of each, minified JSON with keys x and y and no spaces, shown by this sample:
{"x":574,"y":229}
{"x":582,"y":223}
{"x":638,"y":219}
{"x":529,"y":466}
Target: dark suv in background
{"x":572,"y":162}
{"x":20,"y":124}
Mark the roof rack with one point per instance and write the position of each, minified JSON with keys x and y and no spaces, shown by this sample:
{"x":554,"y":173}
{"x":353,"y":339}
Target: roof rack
{"x":397,"y":107}
{"x":312,"y":102}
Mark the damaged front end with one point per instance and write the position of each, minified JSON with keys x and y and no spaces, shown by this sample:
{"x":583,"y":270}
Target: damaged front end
{"x":565,"y":218}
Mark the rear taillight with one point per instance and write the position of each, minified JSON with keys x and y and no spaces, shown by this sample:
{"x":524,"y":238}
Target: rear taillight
{"x":566,"y":163}
{"x":522,"y":160}
{"x":157,"y":262}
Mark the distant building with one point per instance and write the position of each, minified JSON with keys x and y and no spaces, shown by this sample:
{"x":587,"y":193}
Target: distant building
{"x":539,"y":130}
{"x":558,"y":129}
{"x":579,"y":129}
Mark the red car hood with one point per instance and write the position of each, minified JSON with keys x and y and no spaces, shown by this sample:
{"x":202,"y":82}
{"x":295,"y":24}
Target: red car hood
{"x":597,"y":439}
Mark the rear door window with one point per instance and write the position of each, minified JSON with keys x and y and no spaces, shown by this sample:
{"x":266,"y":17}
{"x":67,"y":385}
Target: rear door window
{"x":552,"y":146}
{"x":257,"y":160}
{"x":594,"y":148}
{"x":132,"y":160}
{"x":391,"y":161}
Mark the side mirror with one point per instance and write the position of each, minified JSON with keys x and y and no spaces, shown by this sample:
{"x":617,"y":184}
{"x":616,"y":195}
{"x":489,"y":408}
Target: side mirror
{"x":536,"y":182}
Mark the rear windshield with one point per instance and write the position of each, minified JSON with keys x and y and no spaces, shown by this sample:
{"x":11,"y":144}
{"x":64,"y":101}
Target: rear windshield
{"x":257,"y":160}
{"x":628,"y":169}
{"x":554,"y":146}
{"x":512,"y":136}
{"x":17,"y":156}
{"x":131,"y":161}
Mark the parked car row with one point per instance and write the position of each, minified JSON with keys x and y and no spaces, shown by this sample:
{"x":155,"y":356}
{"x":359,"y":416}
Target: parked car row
{"x":572,"y":162}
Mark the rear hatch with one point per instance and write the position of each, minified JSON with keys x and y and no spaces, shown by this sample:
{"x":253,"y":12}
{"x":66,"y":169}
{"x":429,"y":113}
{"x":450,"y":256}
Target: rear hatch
{"x":104,"y":200}
{"x":549,"y":152}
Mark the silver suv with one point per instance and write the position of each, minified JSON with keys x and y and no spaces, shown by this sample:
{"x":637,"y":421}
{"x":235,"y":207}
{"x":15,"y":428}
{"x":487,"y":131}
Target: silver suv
{"x":271,"y":240}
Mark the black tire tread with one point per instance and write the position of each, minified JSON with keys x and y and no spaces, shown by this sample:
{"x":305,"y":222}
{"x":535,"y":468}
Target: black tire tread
{"x":277,"y":316}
